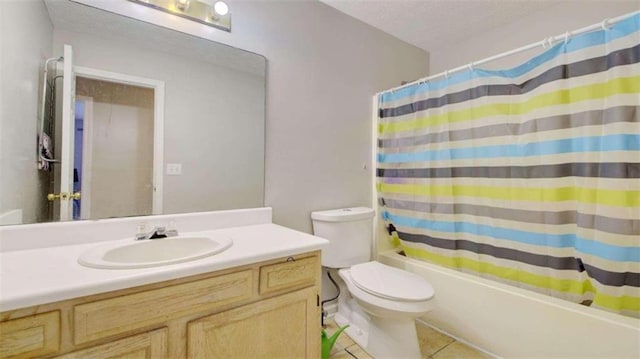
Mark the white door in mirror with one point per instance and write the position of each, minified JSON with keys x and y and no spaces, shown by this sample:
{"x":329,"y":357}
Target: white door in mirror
{"x":130,"y":254}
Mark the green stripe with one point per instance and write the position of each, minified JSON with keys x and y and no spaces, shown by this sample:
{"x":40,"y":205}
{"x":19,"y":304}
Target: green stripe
{"x":623,"y":85}
{"x":573,"y":286}
{"x":536,"y":280}
{"x":621,"y":303}
{"x":557,"y":194}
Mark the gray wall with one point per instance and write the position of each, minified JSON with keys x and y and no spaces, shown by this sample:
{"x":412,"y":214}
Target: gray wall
{"x":21,"y":61}
{"x":324,"y":67}
{"x":553,"y":21}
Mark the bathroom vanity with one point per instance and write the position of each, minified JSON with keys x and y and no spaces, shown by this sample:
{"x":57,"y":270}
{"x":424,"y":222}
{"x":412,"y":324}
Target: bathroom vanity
{"x":259,"y":298}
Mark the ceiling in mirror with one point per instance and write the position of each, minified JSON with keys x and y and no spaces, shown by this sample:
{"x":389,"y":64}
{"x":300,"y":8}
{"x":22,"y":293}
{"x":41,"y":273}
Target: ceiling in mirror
{"x":143,"y":119}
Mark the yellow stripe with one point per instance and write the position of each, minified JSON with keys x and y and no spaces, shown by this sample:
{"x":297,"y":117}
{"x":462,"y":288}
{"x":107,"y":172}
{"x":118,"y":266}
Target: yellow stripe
{"x":561,"y":97}
{"x":558,"y":194}
{"x":621,"y":303}
{"x":562,"y":285}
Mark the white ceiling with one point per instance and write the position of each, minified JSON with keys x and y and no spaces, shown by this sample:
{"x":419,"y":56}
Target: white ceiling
{"x":430,"y":24}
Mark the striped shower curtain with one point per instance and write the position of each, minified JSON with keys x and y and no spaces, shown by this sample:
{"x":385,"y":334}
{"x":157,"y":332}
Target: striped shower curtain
{"x":529,"y":176}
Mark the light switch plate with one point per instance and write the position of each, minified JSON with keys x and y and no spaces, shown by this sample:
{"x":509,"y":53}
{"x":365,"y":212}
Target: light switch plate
{"x":174,"y":169}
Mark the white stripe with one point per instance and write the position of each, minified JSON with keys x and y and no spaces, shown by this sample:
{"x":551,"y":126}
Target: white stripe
{"x":586,"y":208}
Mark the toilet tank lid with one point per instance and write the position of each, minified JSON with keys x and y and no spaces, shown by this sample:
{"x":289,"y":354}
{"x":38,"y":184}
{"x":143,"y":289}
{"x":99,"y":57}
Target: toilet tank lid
{"x":343,"y":214}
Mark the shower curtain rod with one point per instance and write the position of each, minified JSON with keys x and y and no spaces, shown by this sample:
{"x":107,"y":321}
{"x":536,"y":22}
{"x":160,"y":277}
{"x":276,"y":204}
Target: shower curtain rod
{"x":547,"y":42}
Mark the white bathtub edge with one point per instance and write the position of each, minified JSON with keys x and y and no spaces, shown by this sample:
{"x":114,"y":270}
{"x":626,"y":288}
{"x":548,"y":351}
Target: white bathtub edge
{"x":510,"y":322}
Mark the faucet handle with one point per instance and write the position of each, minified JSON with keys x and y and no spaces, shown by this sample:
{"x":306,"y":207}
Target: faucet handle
{"x":171,"y":231}
{"x":141,"y":232}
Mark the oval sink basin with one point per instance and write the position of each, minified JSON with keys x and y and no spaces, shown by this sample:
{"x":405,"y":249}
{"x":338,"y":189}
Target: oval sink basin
{"x":153,"y":252}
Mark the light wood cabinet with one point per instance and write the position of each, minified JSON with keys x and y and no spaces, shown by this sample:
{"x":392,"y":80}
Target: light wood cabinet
{"x":268,"y":309}
{"x":151,"y":345}
{"x":274,"y":328}
{"x":292,"y":273}
{"x":35,"y":335}
{"x":106,"y":317}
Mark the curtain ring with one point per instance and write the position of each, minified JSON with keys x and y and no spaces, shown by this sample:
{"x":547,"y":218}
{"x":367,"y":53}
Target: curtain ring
{"x":544,"y":43}
{"x":566,"y":37}
{"x":604,"y":24}
{"x":446,"y":74}
{"x":470,"y":66}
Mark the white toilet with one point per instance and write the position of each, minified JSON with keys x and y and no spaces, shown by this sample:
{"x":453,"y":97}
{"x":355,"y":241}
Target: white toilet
{"x":379,"y":302}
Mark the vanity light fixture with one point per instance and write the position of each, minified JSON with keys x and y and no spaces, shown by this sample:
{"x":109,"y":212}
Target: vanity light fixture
{"x":208,"y":12}
{"x":182,"y":5}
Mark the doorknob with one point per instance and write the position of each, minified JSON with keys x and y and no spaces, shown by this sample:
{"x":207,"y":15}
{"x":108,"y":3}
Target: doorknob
{"x":63,"y":196}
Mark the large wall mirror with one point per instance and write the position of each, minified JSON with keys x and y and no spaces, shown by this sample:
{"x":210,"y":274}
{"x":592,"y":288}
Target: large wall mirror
{"x":105,"y":116}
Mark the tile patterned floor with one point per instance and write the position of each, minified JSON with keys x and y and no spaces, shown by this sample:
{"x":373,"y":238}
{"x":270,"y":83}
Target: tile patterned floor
{"x":433,"y":345}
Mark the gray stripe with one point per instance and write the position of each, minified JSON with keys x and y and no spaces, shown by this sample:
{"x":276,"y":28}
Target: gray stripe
{"x":603,"y":170}
{"x":581,"y":68}
{"x":582,"y":220}
{"x":559,"y":263}
{"x":613,"y":278}
{"x":574,"y":120}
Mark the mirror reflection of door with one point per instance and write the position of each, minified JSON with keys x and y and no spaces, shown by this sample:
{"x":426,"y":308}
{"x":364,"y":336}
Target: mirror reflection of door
{"x":109,"y":127}
{"x":63,"y":123}
{"x":113,"y":167}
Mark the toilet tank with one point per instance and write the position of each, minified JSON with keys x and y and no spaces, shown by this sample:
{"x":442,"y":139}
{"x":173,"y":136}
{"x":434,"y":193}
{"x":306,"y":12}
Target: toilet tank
{"x":350,"y":235}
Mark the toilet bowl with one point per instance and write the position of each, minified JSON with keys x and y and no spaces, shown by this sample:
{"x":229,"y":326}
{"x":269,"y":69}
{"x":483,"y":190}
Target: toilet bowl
{"x":379,"y":303}
{"x":386,"y":291}
{"x":392,"y":299}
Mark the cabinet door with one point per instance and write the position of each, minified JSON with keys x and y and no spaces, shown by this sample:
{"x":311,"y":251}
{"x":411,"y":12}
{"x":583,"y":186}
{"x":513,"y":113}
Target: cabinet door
{"x":151,"y":345}
{"x":287,"y":326}
{"x":29,"y":337}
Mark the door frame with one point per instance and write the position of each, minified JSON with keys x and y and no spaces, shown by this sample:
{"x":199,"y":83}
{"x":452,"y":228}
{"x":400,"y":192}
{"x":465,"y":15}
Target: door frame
{"x":87,"y":160}
{"x":67,"y":133}
{"x":158,"y":121}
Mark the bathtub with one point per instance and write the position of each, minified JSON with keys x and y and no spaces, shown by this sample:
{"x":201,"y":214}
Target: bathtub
{"x":510,"y":322}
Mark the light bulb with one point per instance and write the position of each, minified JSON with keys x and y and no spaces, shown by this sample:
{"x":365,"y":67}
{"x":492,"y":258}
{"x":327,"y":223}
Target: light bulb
{"x":221,"y":8}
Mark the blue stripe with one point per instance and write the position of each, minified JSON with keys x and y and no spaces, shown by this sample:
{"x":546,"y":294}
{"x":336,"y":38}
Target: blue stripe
{"x":587,"y":246}
{"x":579,"y":144}
{"x":595,"y":38}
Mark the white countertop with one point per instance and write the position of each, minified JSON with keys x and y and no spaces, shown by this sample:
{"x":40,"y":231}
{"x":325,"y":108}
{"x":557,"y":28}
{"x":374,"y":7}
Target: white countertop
{"x":45,"y":275}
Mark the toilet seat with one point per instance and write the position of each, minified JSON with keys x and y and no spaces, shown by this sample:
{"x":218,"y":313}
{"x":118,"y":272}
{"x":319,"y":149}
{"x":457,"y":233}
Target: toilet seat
{"x":383,"y":307}
{"x":390,"y":283}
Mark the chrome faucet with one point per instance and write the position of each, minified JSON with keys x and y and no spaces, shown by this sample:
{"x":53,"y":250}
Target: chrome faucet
{"x":156,"y":232}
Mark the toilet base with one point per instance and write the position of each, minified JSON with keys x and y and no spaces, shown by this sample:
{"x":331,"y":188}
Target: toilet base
{"x":392,"y":338}
{"x":384,"y":338}
{"x":349,"y":313}
{"x":355,"y":331}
